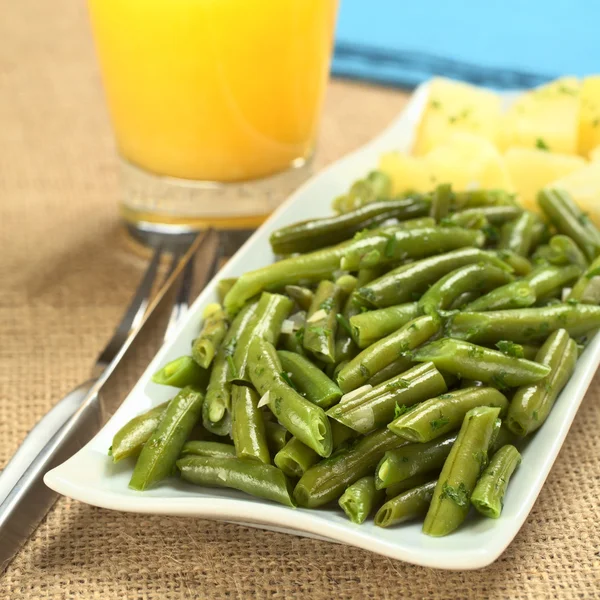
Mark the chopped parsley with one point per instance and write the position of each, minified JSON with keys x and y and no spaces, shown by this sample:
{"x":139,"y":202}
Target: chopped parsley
{"x":510,"y":348}
{"x":231,"y":364}
{"x":364,"y":371}
{"x":535,"y":415}
{"x":390,"y":247}
{"x":593,"y":273}
{"x":300,"y":335}
{"x":287,"y":379}
{"x":540,"y":144}
{"x":435,"y":104}
{"x":398,"y":384}
{"x":344,"y":323}
{"x":326,"y":305}
{"x":499,"y":380}
{"x":320,"y":331}
{"x":459,"y":495}
{"x":439,"y":423}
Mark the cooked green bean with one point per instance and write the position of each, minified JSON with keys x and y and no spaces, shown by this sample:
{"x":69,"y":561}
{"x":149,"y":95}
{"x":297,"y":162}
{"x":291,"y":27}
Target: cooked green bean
{"x":562,"y":250}
{"x":516,"y":262}
{"x":548,"y":281}
{"x":321,"y":322}
{"x":408,"y":243}
{"x":413,"y":459}
{"x":223,"y":286}
{"x":408,"y":505}
{"x":441,"y":200}
{"x":469,"y":219}
{"x":410,"y":483}
{"x":213,"y":331}
{"x":130,"y":439}
{"x":204,"y":448}
{"x":345,"y":347}
{"x":482,"y":278}
{"x":302,"y":296}
{"x":327,"y":480}
{"x":495,"y":215}
{"x":159,"y":454}
{"x":254,"y":478}
{"x":295,"y":458}
{"x":359,"y":499}
{"x":526,"y":325}
{"x":488,"y":495}
{"x":375,"y":186}
{"x":181,"y":372}
{"x":408,"y":282}
{"x":271,"y":311}
{"x":341,"y":434}
{"x":383,"y":352}
{"x":482,"y":364}
{"x":310,"y":380}
{"x":347,"y":283}
{"x":587,"y":287}
{"x":247,"y":425}
{"x":531,"y":404}
{"x":277,"y":436}
{"x":369,"y":274}
{"x":479,"y":198}
{"x":438,"y":416}
{"x":368,"y":327}
{"x":570,"y":220}
{"x":216,"y":416}
{"x":518,"y":235}
{"x":396,"y":367}
{"x":377,"y":407}
{"x":416,"y":223}
{"x":301,"y":418}
{"x":517,"y":294}
{"x":451,"y":498}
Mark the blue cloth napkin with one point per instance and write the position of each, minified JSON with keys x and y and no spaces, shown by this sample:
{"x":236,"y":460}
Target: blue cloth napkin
{"x":500,"y":44}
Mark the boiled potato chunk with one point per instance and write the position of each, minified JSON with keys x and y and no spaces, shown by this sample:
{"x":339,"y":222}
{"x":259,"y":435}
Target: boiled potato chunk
{"x":589,"y":116}
{"x":407,"y":173}
{"x":595,"y":154}
{"x":584,"y":187}
{"x":530,"y":170}
{"x":468,"y":162}
{"x":546,"y":118}
{"x":455,"y":106}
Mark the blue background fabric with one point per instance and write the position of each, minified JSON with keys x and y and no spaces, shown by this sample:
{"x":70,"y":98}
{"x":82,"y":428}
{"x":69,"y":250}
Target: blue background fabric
{"x":501,"y":44}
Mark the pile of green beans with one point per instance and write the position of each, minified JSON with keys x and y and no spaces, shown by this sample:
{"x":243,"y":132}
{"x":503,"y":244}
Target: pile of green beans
{"x":390,"y":363}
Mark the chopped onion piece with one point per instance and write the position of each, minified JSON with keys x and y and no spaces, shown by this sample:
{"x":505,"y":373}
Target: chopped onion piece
{"x":287,"y":326}
{"x":565,"y":293}
{"x":264,"y":401}
{"x":357,"y":392}
{"x":320,"y":314}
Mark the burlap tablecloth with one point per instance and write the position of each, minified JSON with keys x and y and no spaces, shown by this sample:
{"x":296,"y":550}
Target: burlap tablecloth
{"x":65,"y":276}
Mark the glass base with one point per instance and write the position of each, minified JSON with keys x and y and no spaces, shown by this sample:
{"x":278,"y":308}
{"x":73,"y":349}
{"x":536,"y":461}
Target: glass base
{"x":156,"y":203}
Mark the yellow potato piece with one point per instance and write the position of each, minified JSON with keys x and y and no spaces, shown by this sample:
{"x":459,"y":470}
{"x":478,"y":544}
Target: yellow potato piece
{"x":546,"y":118}
{"x":408,"y":173}
{"x":468,"y":162}
{"x":530,"y":170}
{"x":589,"y":116}
{"x":584,"y":187}
{"x":455,"y":106}
{"x":595,"y":154}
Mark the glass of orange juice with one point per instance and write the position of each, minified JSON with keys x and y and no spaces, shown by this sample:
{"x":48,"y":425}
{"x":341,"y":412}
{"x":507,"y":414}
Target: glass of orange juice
{"x":215,"y":103}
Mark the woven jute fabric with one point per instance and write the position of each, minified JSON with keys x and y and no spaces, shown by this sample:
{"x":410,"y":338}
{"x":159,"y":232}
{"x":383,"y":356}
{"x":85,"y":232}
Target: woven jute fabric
{"x":66,"y":273}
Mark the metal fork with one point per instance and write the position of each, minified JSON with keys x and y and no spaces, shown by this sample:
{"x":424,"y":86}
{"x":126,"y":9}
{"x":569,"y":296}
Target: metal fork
{"x":47,"y":427}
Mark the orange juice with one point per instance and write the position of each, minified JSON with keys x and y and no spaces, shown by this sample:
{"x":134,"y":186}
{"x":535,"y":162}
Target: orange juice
{"x":214,"y":90}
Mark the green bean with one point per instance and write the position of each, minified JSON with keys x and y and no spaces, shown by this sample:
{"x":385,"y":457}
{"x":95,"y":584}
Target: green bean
{"x":205,"y":346}
{"x":327,"y":480}
{"x":548,"y":281}
{"x":438,"y":416}
{"x":562,"y":250}
{"x":368,"y":327}
{"x":247,"y":425}
{"x":410,"y":483}
{"x":376,"y":186}
{"x":517,"y":350}
{"x":277,"y":436}
{"x":293,"y":342}
{"x":406,"y":506}
{"x":526,"y":325}
{"x":408,"y":282}
{"x":408,"y":243}
{"x":345,"y":347}
{"x":377,"y":408}
{"x":321,"y":323}
{"x":519,"y":264}
{"x":413,"y":459}
{"x":216,"y":416}
{"x":347,"y":283}
{"x":271,"y":311}
{"x":311,"y":382}
{"x":488,"y":495}
{"x":483,"y":364}
{"x":495,"y":215}
{"x":441,"y":199}
{"x":440,"y":295}
{"x":359,"y":499}
{"x":223,"y":286}
{"x":383,"y":352}
{"x":518,"y":235}
{"x":517,"y":294}
{"x":570,"y":220}
{"x":531,"y":404}
{"x":416,"y":223}
{"x":160,"y":452}
{"x":204,"y":448}
{"x":295,"y":458}
{"x":450,"y":503}
{"x":340,"y":434}
{"x":469,"y":219}
{"x":181,"y":372}
{"x":587,"y":287}
{"x":396,"y":367}
{"x":301,"y":418}
{"x":302,"y":296}
{"x":480,"y":198}
{"x":369,"y":274}
{"x":254,"y":478}
{"x":130,"y":439}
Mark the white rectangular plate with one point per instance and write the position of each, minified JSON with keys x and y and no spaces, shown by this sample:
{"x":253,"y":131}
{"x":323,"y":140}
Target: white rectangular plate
{"x":90,"y":476}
